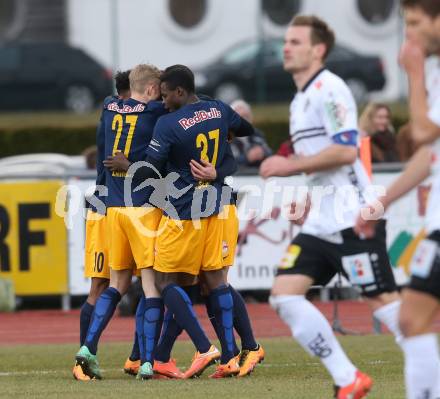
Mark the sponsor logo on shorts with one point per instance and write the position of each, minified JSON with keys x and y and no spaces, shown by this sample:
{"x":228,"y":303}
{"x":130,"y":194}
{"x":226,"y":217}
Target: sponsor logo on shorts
{"x":290,"y":257}
{"x":225,"y":249}
{"x":423,"y":258}
{"x":359,"y":268}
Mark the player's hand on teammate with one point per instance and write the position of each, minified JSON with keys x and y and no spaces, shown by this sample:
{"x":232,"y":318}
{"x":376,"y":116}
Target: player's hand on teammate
{"x":203,"y":170}
{"x":412,"y":58}
{"x":117,"y":163}
{"x":298,"y":211}
{"x":277,"y":165}
{"x":366,"y":222}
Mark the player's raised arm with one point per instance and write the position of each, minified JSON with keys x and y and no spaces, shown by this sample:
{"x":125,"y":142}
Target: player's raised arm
{"x":416,"y":170}
{"x":239,"y":126}
{"x":425,"y":123}
{"x":243,"y":129}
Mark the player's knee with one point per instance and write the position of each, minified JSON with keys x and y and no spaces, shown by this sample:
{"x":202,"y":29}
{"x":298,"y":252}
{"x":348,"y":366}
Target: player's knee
{"x":383,"y":299}
{"x":160,"y":286}
{"x":411,"y":324}
{"x":98,"y":286}
{"x":215,"y":279}
{"x":120,"y":286}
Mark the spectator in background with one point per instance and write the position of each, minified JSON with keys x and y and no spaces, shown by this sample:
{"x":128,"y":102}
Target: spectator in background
{"x":252,"y":150}
{"x":375,"y":122}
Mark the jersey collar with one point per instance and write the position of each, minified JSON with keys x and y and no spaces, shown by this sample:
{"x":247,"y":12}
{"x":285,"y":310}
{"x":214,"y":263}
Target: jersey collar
{"x":306,"y":86}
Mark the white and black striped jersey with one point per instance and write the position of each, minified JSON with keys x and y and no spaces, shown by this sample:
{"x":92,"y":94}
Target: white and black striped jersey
{"x":324,"y":109}
{"x":433,"y":88}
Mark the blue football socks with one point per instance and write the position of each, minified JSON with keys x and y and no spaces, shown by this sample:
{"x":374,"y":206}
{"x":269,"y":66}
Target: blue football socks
{"x":222,"y":304}
{"x":170,"y":332}
{"x":153,"y":318}
{"x":217,"y":327}
{"x":139,"y":326}
{"x":178,"y":302}
{"x":104,"y":309}
{"x":242,"y":323}
{"x":84,"y":321}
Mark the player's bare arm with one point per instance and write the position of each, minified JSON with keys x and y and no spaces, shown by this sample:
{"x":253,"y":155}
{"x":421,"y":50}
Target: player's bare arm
{"x":416,"y":170}
{"x":412,"y":58}
{"x":334,"y":156}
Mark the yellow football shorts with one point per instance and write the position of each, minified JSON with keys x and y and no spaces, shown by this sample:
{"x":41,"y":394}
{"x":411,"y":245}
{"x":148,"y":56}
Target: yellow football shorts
{"x":96,"y":248}
{"x":187,"y":246}
{"x":132,"y":236}
{"x":230,"y":234}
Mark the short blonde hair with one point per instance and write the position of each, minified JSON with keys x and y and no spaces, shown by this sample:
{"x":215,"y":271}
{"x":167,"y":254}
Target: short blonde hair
{"x":141,"y":75}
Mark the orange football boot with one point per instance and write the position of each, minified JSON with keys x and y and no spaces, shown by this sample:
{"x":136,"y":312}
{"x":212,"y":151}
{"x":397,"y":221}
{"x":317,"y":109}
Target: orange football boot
{"x":167,"y":369}
{"x":201,"y":361}
{"x":132,"y":366}
{"x":78,"y":373}
{"x":226,"y":370}
{"x":249,"y":359}
{"x":358,"y":389}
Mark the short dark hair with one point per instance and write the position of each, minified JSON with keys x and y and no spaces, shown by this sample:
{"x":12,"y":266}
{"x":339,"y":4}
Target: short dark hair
{"x":320,"y":31}
{"x":430,"y":7}
{"x":179,"y":76}
{"x":122,"y":82}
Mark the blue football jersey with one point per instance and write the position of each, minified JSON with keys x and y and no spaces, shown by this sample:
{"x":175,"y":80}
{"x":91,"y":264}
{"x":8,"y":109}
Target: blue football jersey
{"x":195,"y":131}
{"x":100,"y":153}
{"x":128,"y":128}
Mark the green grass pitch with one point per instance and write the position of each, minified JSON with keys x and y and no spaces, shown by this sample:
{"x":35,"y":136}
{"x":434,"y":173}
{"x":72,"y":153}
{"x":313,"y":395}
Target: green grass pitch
{"x":44,"y":371}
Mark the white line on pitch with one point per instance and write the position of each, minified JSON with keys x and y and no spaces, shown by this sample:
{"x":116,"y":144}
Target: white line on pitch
{"x":265,"y":365}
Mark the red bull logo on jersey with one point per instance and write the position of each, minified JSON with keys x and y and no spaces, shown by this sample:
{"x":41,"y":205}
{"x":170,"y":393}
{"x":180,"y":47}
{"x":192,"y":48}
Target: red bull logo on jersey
{"x":126,"y":109}
{"x":200,"y":116}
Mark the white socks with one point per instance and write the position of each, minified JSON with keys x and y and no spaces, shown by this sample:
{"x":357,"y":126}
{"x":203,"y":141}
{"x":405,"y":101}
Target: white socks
{"x":313,"y":332}
{"x":421,"y":365}
{"x":389,"y":315}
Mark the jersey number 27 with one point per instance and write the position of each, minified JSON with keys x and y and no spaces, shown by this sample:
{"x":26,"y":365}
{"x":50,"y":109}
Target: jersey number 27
{"x":117,"y":125}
